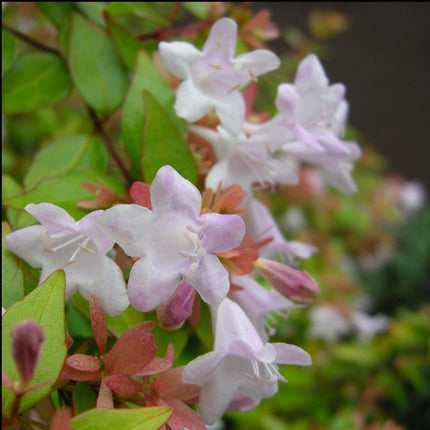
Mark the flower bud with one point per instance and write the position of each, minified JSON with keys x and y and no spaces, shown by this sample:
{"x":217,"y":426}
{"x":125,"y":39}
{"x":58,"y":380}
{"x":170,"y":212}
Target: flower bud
{"x":296,"y":285}
{"x":173,"y":312}
{"x":28,"y":338}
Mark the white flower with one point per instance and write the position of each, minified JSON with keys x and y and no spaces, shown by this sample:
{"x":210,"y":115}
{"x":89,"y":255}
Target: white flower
{"x":77,"y":247}
{"x":241,"y":370}
{"x":212,"y":77}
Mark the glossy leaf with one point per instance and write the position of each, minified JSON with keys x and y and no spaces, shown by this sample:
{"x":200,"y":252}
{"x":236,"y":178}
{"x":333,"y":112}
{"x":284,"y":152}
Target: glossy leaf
{"x":84,"y":398}
{"x":56,"y":11}
{"x":65,"y":154}
{"x":146,"y":76}
{"x":65,"y":190}
{"x":115,"y":325}
{"x":93,"y":10}
{"x":126,"y":44}
{"x":8,"y":51}
{"x":96,"y":67}
{"x":138,"y":9}
{"x":12,"y":278}
{"x":199,"y":9}
{"x":125,"y":419}
{"x":45,"y":305}
{"x":35,"y":80}
{"x":171,"y":149}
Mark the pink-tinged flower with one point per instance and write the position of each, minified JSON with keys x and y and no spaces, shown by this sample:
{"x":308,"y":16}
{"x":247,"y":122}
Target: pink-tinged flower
{"x":174,"y":241}
{"x":241,"y":370}
{"x":260,"y":223}
{"x":257,"y":302}
{"x":296,"y":285}
{"x":246,"y":161}
{"x":335,"y":166}
{"x":77,"y":247}
{"x":312,"y":109}
{"x":28,"y":338}
{"x":213,"y":77}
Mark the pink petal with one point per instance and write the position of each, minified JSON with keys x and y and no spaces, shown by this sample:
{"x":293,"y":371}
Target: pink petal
{"x":210,"y":279}
{"x":53,"y":218}
{"x":224,"y":232}
{"x":222,"y":37}
{"x":291,"y":354}
{"x":170,"y":192}
{"x":177,"y":56}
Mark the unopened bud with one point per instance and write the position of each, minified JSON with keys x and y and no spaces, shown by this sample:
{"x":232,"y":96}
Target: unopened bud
{"x":28,"y":338}
{"x":296,"y":285}
{"x":173,"y":312}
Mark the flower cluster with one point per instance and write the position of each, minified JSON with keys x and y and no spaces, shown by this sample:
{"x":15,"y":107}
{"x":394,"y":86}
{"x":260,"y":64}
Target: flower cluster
{"x":180,"y":251}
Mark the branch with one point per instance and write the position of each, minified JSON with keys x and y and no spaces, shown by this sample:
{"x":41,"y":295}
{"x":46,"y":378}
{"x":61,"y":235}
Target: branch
{"x":99,"y":128}
{"x":29,"y":40}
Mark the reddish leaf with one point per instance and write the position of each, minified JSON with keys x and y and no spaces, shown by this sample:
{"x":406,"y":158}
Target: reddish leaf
{"x":86,"y":363}
{"x":140,"y":194}
{"x":61,"y":420}
{"x":105,"y":398}
{"x":130,"y":354}
{"x":98,"y":323}
{"x":69,"y":372}
{"x":175,"y":388}
{"x":6,"y":381}
{"x":158,"y":365}
{"x":143,"y":327}
{"x":184,"y":415}
{"x":123,"y":384}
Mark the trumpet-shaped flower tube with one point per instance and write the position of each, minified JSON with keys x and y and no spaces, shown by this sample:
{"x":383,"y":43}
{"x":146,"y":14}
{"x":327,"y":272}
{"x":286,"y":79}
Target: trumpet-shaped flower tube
{"x":212,"y":77}
{"x":77,"y":247}
{"x":241,"y":370}
{"x":174,"y":241}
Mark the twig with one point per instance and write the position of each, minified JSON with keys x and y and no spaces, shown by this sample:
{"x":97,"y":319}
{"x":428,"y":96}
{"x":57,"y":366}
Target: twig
{"x":99,"y":128}
{"x":29,"y":40}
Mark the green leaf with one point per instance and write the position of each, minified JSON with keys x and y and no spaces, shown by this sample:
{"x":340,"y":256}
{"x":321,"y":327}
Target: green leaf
{"x":34,"y":81}
{"x":95,"y":66}
{"x":56,"y":11}
{"x":204,"y":328}
{"x":199,"y":9}
{"x":138,"y":9}
{"x":115,"y":325}
{"x":126,"y":44}
{"x":65,"y":190}
{"x":65,"y":154}
{"x":93,"y":10}
{"x":45,"y":305}
{"x":17,"y":218}
{"x":126,"y":419}
{"x":148,"y":77}
{"x":84,"y":398}
{"x":163,"y":143}
{"x":12,"y":278}
{"x":8,"y":51}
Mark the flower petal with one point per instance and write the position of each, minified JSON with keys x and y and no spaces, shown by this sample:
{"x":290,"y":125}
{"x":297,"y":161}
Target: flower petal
{"x":149,"y":285}
{"x":224,"y":232}
{"x":53,"y":218}
{"x":191,"y":104}
{"x":257,"y":62}
{"x":223,"y":36}
{"x":127,"y":225}
{"x":210,"y":279}
{"x":176,"y":56}
{"x":291,"y":354}
{"x":170,"y":192}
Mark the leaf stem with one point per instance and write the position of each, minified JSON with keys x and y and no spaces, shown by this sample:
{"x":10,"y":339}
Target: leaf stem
{"x":110,"y":146}
{"x":29,"y":40}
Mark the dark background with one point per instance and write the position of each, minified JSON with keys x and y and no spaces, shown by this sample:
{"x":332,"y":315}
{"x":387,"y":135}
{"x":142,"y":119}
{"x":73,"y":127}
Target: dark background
{"x":383,"y":58}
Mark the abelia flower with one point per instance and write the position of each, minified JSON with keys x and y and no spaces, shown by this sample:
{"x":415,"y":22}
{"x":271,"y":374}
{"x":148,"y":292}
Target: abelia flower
{"x":258,"y":302}
{"x":246,"y":160}
{"x":242,"y":369}
{"x":77,"y":247}
{"x":174,"y":243}
{"x":260,"y":223}
{"x":213,"y":77}
{"x":314,"y":111}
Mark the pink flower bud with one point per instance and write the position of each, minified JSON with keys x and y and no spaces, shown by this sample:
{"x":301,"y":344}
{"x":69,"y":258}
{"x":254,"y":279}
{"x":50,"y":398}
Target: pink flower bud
{"x":296,"y":285}
{"x":173,"y":312}
{"x":28,"y":338}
